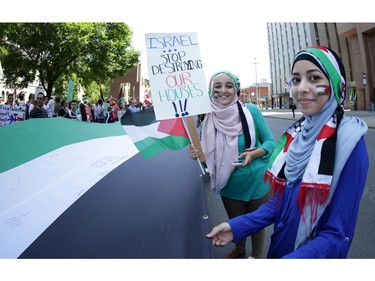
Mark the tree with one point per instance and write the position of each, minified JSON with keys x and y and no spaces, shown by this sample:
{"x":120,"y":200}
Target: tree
{"x":56,"y":51}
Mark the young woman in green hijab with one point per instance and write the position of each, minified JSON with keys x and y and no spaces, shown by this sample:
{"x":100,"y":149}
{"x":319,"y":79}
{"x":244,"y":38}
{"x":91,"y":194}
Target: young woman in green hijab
{"x":235,"y":130}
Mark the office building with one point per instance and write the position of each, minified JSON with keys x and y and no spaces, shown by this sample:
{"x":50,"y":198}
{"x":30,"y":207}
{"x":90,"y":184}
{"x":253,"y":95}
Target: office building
{"x":353,"y":42}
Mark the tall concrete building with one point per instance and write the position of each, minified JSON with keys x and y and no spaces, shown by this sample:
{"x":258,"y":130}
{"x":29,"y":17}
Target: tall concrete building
{"x":353,"y":42}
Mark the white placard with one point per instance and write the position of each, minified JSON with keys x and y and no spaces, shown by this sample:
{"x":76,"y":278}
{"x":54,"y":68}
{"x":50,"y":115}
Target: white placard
{"x":177,"y":81}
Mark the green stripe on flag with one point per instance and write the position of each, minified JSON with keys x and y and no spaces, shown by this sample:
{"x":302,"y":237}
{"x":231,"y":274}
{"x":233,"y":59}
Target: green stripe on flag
{"x":279,"y":147}
{"x":27,"y":140}
{"x":150,"y":146}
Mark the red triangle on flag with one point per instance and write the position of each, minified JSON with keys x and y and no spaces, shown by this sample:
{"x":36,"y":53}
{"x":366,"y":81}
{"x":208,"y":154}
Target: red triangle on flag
{"x":173,"y":127}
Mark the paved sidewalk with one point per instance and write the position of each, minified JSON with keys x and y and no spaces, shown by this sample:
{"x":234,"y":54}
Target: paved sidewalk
{"x":367,"y":116}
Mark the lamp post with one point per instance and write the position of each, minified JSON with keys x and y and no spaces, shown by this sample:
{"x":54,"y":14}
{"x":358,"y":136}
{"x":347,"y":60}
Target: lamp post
{"x":256,"y":82}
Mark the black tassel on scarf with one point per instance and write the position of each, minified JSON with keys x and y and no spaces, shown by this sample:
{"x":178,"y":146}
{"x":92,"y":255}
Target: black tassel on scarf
{"x":245,"y":126}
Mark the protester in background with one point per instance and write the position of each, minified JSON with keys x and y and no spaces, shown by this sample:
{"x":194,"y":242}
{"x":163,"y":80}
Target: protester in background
{"x":317,"y":172}
{"x":21,"y":101}
{"x":39,"y":111}
{"x":10,"y":100}
{"x":73,"y":109}
{"x":108,"y":113}
{"x":82,"y":116}
{"x":99,"y":112}
{"x":93,"y":112}
{"x":133,"y":107}
{"x":121,"y":110}
{"x":292,"y":106}
{"x":88,"y":111}
{"x":64,"y":109}
{"x":45,"y":104}
{"x":29,"y":106}
{"x":114,"y":112}
{"x":49,"y":106}
{"x":57,"y":106}
{"x":230,"y":132}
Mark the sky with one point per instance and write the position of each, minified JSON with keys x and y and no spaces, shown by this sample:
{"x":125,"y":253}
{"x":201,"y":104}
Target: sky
{"x":232,"y":35}
{"x":227,"y":41}
{"x":229,"y":36}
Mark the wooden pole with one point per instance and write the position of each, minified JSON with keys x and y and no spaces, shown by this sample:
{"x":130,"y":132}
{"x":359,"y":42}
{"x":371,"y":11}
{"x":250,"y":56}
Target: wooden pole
{"x":191,"y":126}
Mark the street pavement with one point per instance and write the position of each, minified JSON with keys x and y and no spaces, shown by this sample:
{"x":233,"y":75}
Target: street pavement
{"x":367,"y":116}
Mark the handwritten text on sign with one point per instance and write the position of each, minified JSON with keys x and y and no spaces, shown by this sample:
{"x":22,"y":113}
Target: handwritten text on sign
{"x":176,"y":75}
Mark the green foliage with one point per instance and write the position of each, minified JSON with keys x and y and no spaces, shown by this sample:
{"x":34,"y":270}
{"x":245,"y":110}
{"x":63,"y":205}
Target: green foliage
{"x":85,"y":52}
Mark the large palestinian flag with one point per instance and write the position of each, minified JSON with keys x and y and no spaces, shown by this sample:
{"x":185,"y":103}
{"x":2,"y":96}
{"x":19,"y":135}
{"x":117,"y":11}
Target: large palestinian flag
{"x":151,"y":136}
{"x":71,"y":189}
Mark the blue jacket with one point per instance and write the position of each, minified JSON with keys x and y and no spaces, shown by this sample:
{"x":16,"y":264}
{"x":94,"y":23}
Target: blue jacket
{"x":335,"y":229}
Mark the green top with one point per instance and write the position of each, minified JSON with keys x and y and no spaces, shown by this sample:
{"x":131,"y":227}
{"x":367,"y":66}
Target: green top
{"x":246,"y":183}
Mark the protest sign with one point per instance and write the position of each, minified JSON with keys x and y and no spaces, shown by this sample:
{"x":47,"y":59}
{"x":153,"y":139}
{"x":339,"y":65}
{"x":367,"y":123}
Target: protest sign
{"x":177,"y":81}
{"x":10,"y":114}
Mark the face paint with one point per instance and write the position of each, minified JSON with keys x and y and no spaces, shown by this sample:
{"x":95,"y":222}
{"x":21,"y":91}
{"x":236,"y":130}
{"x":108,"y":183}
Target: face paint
{"x":323,"y":90}
{"x":216,"y":95}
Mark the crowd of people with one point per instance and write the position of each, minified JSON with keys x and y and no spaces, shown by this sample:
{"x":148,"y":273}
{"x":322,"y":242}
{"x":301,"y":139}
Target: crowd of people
{"x":41,"y":106}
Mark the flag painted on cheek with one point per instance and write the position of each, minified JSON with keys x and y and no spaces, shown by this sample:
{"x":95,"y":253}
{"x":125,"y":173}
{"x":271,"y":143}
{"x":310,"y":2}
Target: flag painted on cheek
{"x":323,"y":90}
{"x":151,"y":136}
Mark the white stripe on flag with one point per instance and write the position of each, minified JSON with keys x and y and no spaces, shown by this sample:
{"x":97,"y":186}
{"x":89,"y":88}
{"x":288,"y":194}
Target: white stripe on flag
{"x":138,"y":133}
{"x":35,"y":194}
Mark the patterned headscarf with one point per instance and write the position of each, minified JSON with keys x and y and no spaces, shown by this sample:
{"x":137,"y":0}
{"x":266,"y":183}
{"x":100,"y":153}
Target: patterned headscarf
{"x":328,"y":118}
{"x":307,"y":149}
{"x":329,"y":62}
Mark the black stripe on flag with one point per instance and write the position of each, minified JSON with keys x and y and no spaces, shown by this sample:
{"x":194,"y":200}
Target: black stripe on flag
{"x":139,"y":210}
{"x":141,"y":118}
